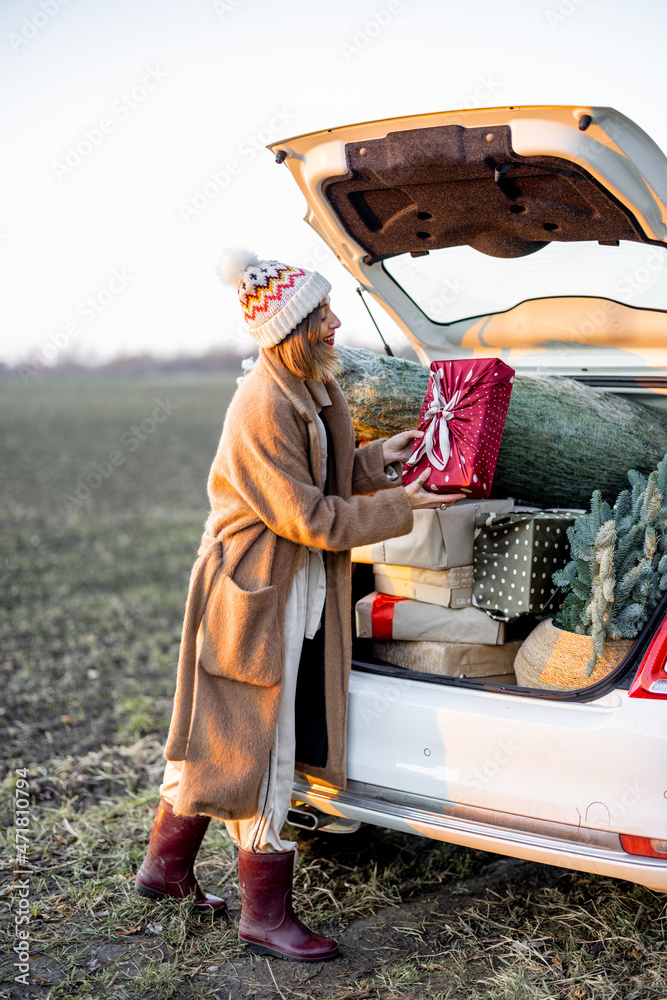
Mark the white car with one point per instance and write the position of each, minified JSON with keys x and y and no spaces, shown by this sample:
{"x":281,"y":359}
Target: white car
{"x":573,"y":778}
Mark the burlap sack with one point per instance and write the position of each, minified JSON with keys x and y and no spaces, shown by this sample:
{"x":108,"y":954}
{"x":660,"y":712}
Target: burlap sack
{"x":556,"y":660}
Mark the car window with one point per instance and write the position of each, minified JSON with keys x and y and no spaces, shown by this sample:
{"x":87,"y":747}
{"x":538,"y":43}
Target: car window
{"x":458,"y":282}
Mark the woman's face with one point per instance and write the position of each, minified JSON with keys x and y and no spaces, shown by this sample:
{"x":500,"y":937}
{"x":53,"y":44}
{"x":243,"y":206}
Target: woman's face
{"x":329,"y":323}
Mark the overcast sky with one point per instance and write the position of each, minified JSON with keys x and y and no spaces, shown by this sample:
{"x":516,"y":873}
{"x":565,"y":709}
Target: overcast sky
{"x":115,"y":113}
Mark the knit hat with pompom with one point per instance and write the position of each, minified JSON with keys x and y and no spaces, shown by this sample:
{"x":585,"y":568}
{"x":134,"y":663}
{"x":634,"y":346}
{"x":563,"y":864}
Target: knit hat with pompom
{"x":274,"y":297}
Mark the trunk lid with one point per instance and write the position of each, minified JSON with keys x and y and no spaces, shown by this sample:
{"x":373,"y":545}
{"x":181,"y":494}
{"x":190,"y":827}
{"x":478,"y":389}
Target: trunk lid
{"x":535,"y":234}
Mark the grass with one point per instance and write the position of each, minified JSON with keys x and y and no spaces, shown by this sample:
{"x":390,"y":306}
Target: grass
{"x":96,"y":588}
{"x":89,"y":636}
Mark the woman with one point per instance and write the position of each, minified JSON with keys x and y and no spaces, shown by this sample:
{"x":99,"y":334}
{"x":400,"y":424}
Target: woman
{"x":266,"y":646}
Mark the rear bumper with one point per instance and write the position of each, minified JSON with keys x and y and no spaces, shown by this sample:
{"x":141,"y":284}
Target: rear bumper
{"x":580,"y":848}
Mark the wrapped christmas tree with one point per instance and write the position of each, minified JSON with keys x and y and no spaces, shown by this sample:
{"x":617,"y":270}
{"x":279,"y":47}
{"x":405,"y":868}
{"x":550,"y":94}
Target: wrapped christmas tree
{"x":562,"y":440}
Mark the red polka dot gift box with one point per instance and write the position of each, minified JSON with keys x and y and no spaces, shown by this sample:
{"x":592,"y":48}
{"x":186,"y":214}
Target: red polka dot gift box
{"x":515,"y":557}
{"x":463,"y":417}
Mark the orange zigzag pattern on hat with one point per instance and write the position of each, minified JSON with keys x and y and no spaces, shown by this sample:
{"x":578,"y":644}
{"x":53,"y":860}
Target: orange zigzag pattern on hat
{"x":265,"y":294}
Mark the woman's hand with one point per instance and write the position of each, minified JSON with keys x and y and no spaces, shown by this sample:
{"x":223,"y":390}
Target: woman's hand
{"x":422,"y":500}
{"x":399,"y":447}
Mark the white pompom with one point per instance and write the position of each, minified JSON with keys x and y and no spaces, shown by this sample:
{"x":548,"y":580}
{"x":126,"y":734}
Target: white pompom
{"x":233,"y":263}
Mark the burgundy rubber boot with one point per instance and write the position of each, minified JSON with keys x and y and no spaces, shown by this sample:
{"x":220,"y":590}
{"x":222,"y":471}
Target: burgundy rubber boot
{"x":268,"y":924}
{"x":168,"y":868}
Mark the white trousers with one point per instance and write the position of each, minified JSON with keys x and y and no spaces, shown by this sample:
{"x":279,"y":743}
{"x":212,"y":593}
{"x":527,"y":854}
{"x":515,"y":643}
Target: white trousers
{"x":262,"y":831}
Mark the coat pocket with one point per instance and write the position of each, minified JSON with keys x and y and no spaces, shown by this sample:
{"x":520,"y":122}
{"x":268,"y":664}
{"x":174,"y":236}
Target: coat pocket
{"x":239,"y":639}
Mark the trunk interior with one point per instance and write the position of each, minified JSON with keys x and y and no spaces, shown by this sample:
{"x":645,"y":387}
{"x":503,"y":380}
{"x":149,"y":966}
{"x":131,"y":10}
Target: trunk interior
{"x":621,"y":677}
{"x":534,"y":235}
{"x":363,"y":658}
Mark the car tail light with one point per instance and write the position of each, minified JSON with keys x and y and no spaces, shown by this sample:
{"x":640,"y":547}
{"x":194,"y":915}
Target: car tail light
{"x":651,"y":679}
{"x":645,"y":846}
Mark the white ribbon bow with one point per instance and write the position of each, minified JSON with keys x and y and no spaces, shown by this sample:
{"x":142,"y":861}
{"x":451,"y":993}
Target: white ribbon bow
{"x":439,"y":413}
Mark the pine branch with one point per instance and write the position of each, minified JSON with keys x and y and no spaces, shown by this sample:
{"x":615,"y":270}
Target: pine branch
{"x":563,"y":577}
{"x":618,"y":570}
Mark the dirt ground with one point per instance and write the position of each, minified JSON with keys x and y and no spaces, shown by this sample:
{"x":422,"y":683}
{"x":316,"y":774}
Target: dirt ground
{"x":94,"y":577}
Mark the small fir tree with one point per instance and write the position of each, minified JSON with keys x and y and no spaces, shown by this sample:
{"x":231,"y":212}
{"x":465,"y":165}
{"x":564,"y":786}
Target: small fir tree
{"x":618,"y":572}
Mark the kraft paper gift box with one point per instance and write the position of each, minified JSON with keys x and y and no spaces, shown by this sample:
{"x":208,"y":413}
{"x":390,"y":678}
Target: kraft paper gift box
{"x":451,"y":659}
{"x":379,"y":616}
{"x":515,"y":558}
{"x":454,"y":578}
{"x":463,"y":417}
{"x":450,"y":588}
{"x":440,"y":539}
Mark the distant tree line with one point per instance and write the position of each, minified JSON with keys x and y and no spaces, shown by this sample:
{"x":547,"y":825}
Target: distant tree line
{"x":135,"y":366}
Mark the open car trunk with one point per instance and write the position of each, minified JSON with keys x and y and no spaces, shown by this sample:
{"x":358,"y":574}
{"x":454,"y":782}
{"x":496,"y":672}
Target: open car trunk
{"x":621,"y":677}
{"x":533,"y":234}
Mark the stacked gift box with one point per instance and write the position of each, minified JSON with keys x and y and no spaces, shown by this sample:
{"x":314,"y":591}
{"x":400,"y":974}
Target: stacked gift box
{"x":450,"y":588}
{"x":516,"y":555}
{"x":420,"y":615}
{"x":456,"y":581}
{"x":445,"y":592}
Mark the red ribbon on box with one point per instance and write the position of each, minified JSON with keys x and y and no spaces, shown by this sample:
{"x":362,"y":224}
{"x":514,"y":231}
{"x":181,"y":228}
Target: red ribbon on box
{"x":462,"y":418}
{"x":382,"y":615}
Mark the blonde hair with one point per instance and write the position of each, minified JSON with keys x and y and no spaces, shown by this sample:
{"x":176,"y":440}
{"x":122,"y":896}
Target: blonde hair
{"x":304,"y":354}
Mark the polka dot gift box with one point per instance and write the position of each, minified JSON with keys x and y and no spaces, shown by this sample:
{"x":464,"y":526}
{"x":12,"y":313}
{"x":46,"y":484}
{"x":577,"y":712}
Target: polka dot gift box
{"x":462,"y":418}
{"x":515,"y":557}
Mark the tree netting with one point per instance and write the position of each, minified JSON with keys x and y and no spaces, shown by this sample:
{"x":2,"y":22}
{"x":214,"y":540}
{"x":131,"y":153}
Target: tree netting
{"x":562,"y":440}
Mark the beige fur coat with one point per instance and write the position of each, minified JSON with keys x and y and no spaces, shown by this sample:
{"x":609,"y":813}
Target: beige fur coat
{"x":266,"y":499}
